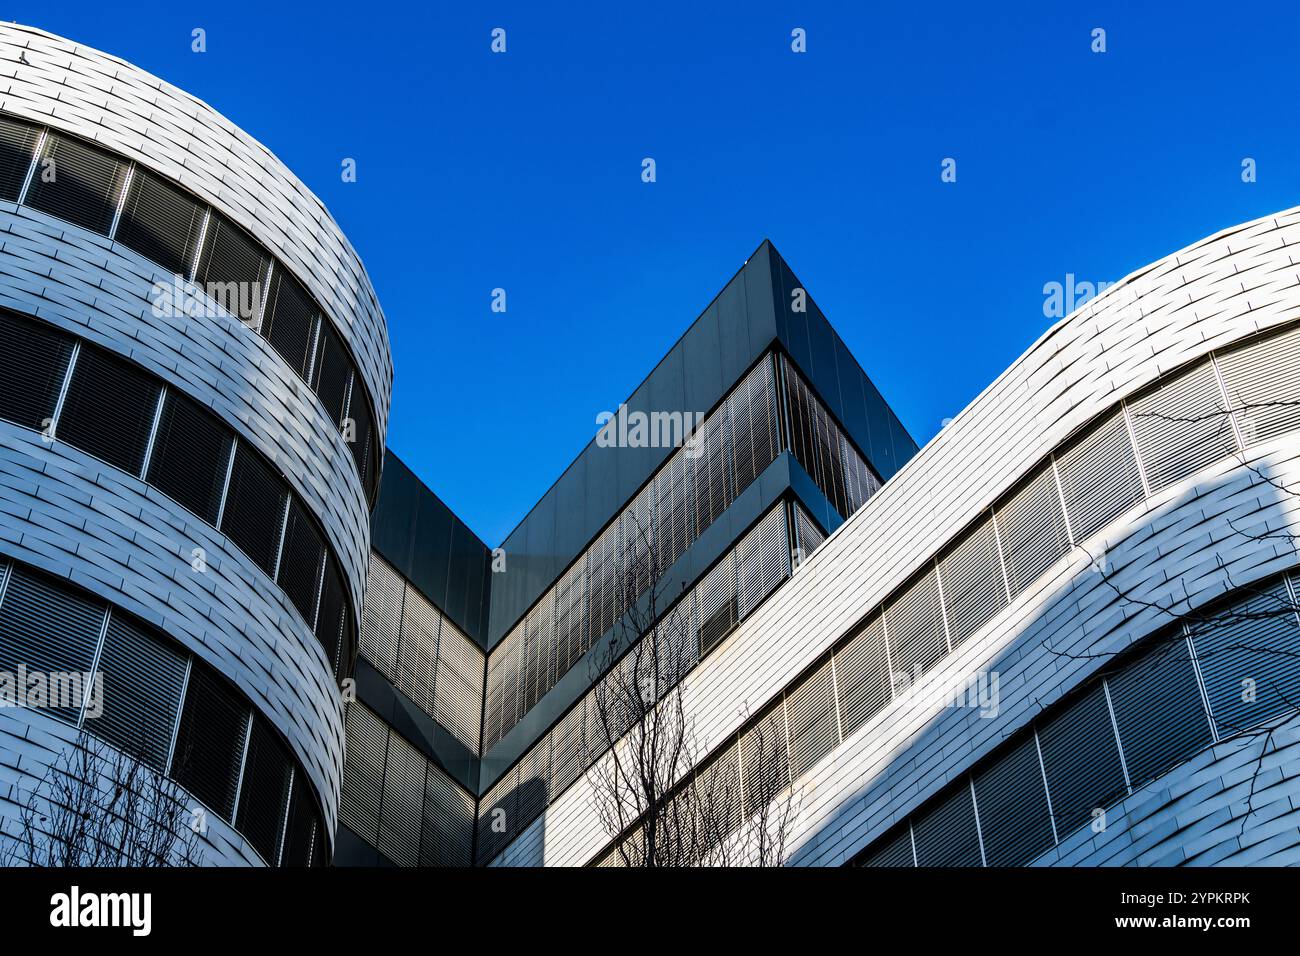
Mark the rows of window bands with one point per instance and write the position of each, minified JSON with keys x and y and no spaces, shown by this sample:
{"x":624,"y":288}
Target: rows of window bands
{"x":732,"y":447}
{"x":76,"y":392}
{"x":1226,"y":402}
{"x":422,"y":654}
{"x":1112,"y":736}
{"x":727,"y":594}
{"x":399,"y":802}
{"x":97,"y":190}
{"x":820,"y":445}
{"x":165,"y":707}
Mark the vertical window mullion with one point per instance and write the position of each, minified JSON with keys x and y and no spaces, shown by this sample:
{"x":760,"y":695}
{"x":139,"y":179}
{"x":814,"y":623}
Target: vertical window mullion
{"x":979,"y":831}
{"x":943,"y":610}
{"x":284,"y":530}
{"x":94,"y":666}
{"x":1137,"y":452}
{"x":243,"y":765}
{"x":121,"y":200}
{"x":193,"y":270}
{"x":1060,"y":494}
{"x":1227,"y":403}
{"x":1002,"y":561}
{"x":153,"y":433}
{"x":1114,"y":726}
{"x":180,"y":710}
{"x":63,"y":389}
{"x":31,"y":169}
{"x":225,"y":487}
{"x":1042,"y":769}
{"x":1200,"y":682}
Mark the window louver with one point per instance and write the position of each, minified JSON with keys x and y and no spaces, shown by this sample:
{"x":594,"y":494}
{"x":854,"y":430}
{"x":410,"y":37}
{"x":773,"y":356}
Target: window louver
{"x":458,"y":700}
{"x":1250,"y":660}
{"x":1158,"y":711}
{"x":264,"y":794}
{"x":255,"y":508}
{"x":331,"y":619}
{"x":892,"y":850}
{"x":301,"y":828}
{"x":109,"y":409}
{"x":417,"y":655}
{"x":232,"y":269}
{"x":331,"y":372}
{"x":973,"y":587}
{"x":17,"y":144}
{"x":33,"y":362}
{"x":1099,"y":477}
{"x":363,"y":772}
{"x":381,"y":617}
{"x":1032,"y":527}
{"x":1263,"y":385}
{"x":190,"y":456}
{"x":717,"y":596}
{"x":719,"y":794}
{"x":672,"y":517}
{"x":45,"y":628}
{"x":862,"y":674}
{"x":290,"y":322}
{"x":359,"y":412}
{"x":448,"y":822}
{"x":765,"y":767}
{"x":753,"y":418}
{"x":808,"y":536}
{"x":534,"y":771}
{"x":810,"y":710}
{"x":161,"y":222}
{"x":498,"y":821}
{"x":566,"y":750}
{"x":210,"y":741}
{"x":762,"y":561}
{"x":914,"y":625}
{"x":1081,"y":761}
{"x":402,"y":816}
{"x":710,"y":480}
{"x":143,"y":679}
{"x":300,"y":563}
{"x":945,"y":834}
{"x":77,"y":183}
{"x":1181,"y":427}
{"x":1015,"y":821}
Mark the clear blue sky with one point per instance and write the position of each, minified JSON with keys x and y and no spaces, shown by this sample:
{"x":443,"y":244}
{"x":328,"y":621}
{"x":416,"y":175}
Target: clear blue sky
{"x":523,"y":171}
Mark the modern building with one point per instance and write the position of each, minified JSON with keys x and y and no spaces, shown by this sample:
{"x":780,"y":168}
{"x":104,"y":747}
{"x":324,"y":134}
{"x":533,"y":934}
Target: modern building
{"x":1063,"y":632}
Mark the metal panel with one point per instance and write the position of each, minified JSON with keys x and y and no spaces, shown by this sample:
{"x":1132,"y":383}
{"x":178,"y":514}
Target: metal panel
{"x":381,"y":618}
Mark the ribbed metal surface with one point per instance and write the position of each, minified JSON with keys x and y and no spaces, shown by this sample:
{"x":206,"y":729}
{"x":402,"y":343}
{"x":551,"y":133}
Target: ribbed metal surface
{"x":458,"y":700}
{"x":914,"y":625}
{"x":1081,"y":761}
{"x":813,"y":727}
{"x":363,"y":772}
{"x":402,"y":818}
{"x":1181,"y":427}
{"x":1093,"y":504}
{"x":862,"y":675}
{"x":973,"y":586}
{"x":143,"y":679}
{"x":1032,"y":529}
{"x":945,"y":834}
{"x":1015,"y":821}
{"x":417,"y":656}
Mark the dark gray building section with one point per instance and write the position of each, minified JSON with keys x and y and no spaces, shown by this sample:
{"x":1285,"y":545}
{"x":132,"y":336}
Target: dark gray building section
{"x":753,"y":313}
{"x":433,"y":549}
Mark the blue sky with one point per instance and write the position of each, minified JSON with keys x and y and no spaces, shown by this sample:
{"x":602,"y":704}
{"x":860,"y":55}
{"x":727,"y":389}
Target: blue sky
{"x":522,"y":171}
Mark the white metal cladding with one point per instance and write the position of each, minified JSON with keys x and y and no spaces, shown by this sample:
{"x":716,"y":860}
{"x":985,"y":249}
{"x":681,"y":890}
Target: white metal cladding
{"x":107,"y":100}
{"x":73,"y":516}
{"x":1212,"y":294}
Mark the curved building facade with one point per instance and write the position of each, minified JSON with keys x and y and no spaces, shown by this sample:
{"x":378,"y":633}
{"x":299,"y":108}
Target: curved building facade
{"x":195,"y":387}
{"x":1065,"y":632}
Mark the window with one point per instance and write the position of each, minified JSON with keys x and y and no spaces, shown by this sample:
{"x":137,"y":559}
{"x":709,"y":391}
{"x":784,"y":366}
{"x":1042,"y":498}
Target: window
{"x":1015,"y":821}
{"x":17,"y":144}
{"x":77,"y":182}
{"x":973,"y":586}
{"x":448,"y":822}
{"x":1158,"y":710}
{"x":233,"y":269}
{"x":264,"y":795}
{"x":1263,"y":385}
{"x":45,"y":628}
{"x":765,"y":767}
{"x":810,"y":709}
{"x":290,"y":323}
{"x":363,"y":772}
{"x":303,"y":836}
{"x":331,"y":373}
{"x":1250,"y":660}
{"x":1181,"y":427}
{"x":191,"y":454}
{"x":300,"y":563}
{"x":331,"y":620}
{"x":381,"y":617}
{"x":363,"y":425}
{"x":717,"y":597}
{"x":210,"y":741}
{"x":33,"y":362}
{"x":1081,"y":761}
{"x":255,"y":508}
{"x":1099,"y":477}
{"x":402,"y":816}
{"x":762,"y":562}
{"x":458,"y":701}
{"x":862,"y":673}
{"x":109,"y":409}
{"x":893,"y":850}
{"x":1032,"y":527}
{"x":945,"y":834}
{"x":161,"y":222}
{"x":143,"y":679}
{"x":417,"y":657}
{"x":914,"y":625}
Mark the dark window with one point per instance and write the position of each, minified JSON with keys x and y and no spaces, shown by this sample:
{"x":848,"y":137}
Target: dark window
{"x":301,"y":830}
{"x":973,"y":588}
{"x":332,"y":372}
{"x":264,"y":795}
{"x":77,"y":182}
{"x":232,"y":269}
{"x":17,"y":143}
{"x":161,"y":222}
{"x":764,"y":759}
{"x":946,"y":834}
{"x":1081,"y":761}
{"x":290,"y":323}
{"x":814,"y":729}
{"x":143,"y":678}
{"x":332,"y":619}
{"x":1158,"y":711}
{"x":362,"y":452}
{"x":210,"y":742}
{"x":191,"y":455}
{"x":45,"y":628}
{"x":448,"y":822}
{"x":1015,"y":821}
{"x":892,"y":850}
{"x":33,"y":362}
{"x":300,"y":564}
{"x":255,"y":504}
{"x":862,"y":673}
{"x":109,"y":409}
